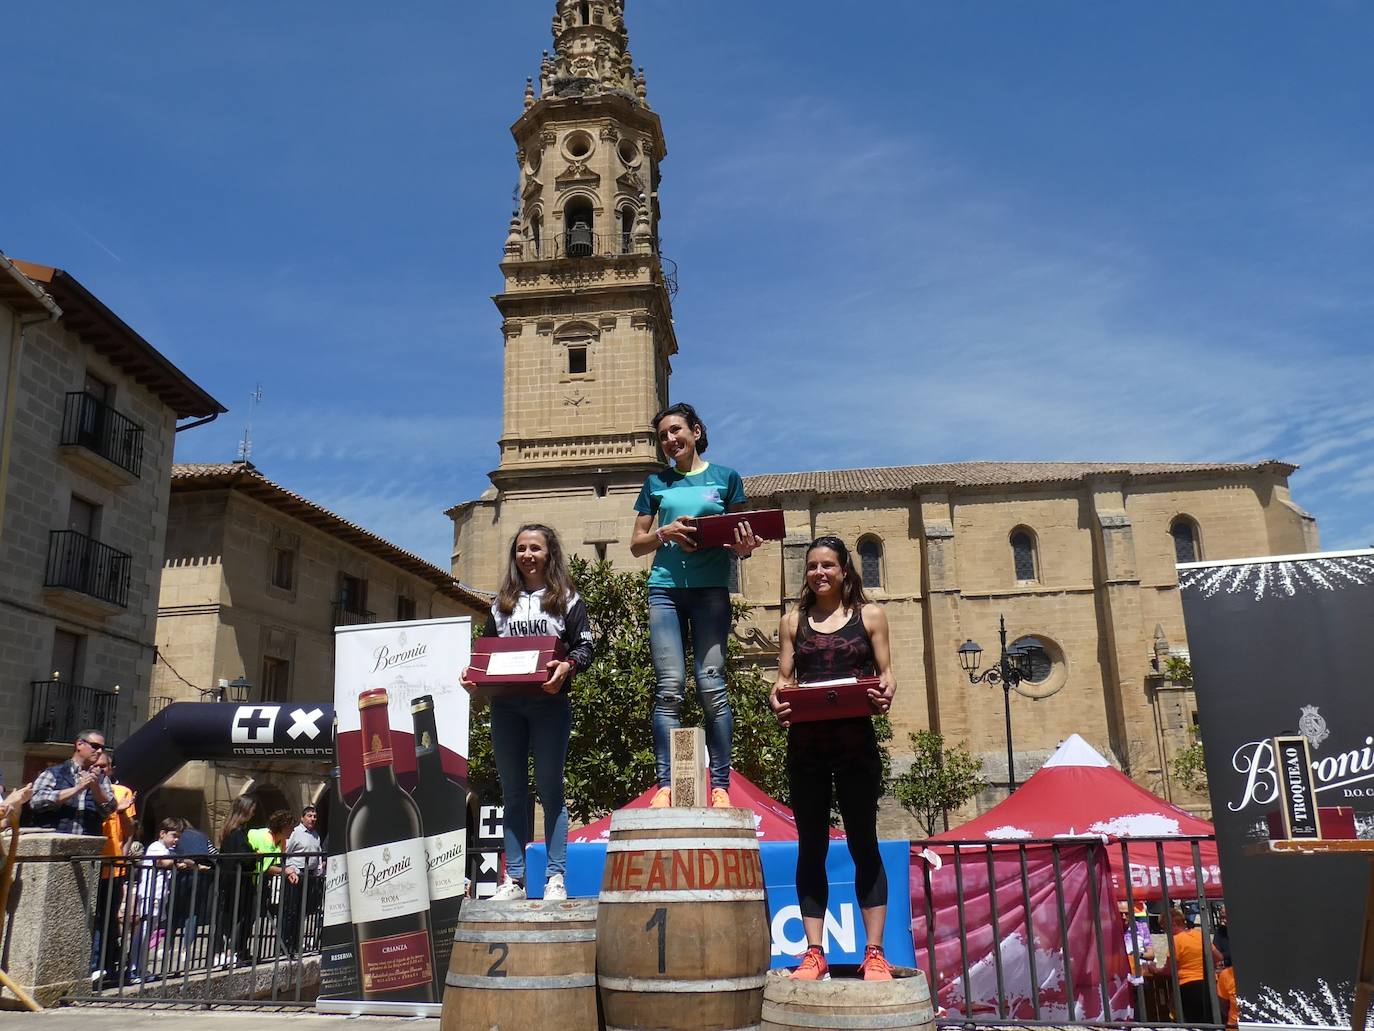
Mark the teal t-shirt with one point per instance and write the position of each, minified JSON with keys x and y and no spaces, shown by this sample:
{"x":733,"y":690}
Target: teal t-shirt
{"x":668,"y":494}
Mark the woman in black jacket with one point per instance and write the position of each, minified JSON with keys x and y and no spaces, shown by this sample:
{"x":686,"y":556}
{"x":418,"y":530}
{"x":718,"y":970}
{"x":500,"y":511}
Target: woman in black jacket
{"x":236,"y":893}
{"x":536,"y":599}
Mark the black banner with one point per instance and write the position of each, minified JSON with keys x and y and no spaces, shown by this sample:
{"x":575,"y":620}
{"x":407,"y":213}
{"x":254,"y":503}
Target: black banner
{"x":1280,"y":647}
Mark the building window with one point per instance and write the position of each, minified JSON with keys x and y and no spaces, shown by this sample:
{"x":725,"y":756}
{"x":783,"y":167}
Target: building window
{"x":276,"y":679}
{"x":405,"y":608}
{"x":577,"y":360}
{"x":871,"y":562}
{"x":1042,"y":663}
{"x":627,"y":229}
{"x":353,"y":594}
{"x":1023,"y":555}
{"x":734,"y":582}
{"x":1184,"y":532}
{"x":66,"y":655}
{"x":284,"y":568}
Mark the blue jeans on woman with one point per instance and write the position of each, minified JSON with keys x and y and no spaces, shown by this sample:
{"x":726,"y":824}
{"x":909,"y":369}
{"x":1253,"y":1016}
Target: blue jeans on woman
{"x":539,"y":724}
{"x":704,"y":613}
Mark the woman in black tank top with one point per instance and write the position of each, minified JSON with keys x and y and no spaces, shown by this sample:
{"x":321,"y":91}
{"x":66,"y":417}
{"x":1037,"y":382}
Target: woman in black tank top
{"x":835,"y":633}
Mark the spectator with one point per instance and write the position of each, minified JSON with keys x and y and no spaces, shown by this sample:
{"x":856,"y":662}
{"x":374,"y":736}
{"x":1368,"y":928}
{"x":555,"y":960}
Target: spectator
{"x":72,"y":797}
{"x":270,"y":844}
{"x":1192,"y":973}
{"x":191,"y":886}
{"x":119,"y":828}
{"x":304,"y":867}
{"x":236,"y":883}
{"x":154,"y":875}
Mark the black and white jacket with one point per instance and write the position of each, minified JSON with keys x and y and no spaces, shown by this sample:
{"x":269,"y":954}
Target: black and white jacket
{"x":528,"y":619}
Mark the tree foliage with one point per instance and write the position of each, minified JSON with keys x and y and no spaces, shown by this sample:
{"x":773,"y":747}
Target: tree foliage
{"x":940,"y":779}
{"x":611,"y":752}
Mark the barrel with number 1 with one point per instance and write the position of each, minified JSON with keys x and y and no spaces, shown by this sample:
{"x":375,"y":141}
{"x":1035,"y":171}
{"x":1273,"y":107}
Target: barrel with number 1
{"x":682,"y":936}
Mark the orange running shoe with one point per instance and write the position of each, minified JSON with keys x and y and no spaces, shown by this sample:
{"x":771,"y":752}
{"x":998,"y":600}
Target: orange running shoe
{"x":662,"y":800}
{"x":875,"y":966}
{"x":720,"y":799}
{"x":813,"y":966}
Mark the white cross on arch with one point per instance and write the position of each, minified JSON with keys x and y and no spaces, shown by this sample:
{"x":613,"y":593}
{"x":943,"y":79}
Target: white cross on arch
{"x":303,"y":722}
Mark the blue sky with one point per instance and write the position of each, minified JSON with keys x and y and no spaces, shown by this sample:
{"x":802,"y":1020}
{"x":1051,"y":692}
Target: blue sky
{"x":976,"y":231}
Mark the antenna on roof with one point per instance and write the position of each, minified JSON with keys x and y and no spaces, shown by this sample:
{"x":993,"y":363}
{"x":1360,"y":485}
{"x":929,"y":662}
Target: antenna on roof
{"x":246,"y":444}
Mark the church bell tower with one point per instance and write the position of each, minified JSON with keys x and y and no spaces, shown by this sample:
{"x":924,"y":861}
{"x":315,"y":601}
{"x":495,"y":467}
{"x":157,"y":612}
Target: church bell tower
{"x":586,"y":306}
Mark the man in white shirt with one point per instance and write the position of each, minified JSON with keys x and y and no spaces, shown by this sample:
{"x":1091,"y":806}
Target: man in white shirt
{"x":304,"y":870}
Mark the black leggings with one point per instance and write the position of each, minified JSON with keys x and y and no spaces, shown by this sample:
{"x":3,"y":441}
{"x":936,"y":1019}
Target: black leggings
{"x":836,"y":759}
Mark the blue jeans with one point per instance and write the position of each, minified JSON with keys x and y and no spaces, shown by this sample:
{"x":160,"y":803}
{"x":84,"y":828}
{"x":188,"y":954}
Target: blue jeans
{"x":704,"y":612}
{"x":541,"y":725}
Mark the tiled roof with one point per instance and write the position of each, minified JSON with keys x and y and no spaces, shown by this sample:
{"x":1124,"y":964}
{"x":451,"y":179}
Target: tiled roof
{"x":897,"y":478}
{"x":245,"y":477}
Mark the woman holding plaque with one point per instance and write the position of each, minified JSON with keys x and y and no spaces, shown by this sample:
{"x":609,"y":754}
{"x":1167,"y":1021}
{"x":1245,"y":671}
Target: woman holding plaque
{"x":689,"y":590}
{"x":536,"y":599}
{"x":835,"y":633}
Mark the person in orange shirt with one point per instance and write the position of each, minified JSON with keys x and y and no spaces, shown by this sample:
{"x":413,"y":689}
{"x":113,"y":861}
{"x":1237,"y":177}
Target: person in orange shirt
{"x":1226,"y":992}
{"x":119,"y":829}
{"x":1192,"y":973}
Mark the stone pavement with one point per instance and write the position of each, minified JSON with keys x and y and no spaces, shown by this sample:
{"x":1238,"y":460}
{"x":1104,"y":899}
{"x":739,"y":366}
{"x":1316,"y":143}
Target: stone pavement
{"x":145,"y":1018}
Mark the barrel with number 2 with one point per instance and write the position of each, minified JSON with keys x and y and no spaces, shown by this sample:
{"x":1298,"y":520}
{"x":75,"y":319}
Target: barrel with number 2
{"x":518,"y":966}
{"x":682,"y":927}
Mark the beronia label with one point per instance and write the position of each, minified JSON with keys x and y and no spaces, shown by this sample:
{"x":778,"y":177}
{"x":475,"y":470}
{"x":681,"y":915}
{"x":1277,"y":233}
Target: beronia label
{"x":387,"y":880}
{"x":447,"y":870}
{"x":396,"y":962}
{"x":699,"y":869}
{"x":335,"y":891}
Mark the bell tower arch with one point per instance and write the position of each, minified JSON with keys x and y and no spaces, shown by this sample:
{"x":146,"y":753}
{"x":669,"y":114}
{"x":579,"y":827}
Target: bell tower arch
{"x":586,"y":304}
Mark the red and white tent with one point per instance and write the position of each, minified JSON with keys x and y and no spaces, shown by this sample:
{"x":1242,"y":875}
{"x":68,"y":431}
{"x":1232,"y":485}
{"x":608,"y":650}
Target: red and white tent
{"x":773,"y":821}
{"x":1078,"y":793}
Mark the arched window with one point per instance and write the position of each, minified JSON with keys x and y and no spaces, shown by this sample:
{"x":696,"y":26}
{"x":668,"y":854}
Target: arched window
{"x":627,"y":229}
{"x":578,"y":240}
{"x":1186,"y":546}
{"x":537,"y":232}
{"x":871,"y":561}
{"x":1023,"y":555}
{"x":586,"y":12}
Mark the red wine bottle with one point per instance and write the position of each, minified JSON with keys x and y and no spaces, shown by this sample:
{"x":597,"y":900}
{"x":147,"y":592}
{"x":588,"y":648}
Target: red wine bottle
{"x":443,"y":814}
{"x":388,"y":888}
{"x":338,"y":954}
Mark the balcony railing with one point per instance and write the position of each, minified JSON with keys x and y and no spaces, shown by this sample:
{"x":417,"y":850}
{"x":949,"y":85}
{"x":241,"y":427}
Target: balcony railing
{"x":92,"y":424}
{"x":80,"y":563}
{"x":345,"y":615}
{"x":59,"y":710}
{"x":583,"y":243}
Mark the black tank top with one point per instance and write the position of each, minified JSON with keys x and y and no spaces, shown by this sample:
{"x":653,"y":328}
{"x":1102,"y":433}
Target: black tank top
{"x":846,"y":652}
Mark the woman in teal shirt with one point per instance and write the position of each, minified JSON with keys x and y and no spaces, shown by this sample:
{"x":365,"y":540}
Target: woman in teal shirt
{"x":689,"y":589}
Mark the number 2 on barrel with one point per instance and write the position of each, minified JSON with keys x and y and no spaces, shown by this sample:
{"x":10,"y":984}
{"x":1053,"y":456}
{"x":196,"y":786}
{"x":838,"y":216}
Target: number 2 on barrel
{"x":660,"y":918}
{"x":492,"y":949}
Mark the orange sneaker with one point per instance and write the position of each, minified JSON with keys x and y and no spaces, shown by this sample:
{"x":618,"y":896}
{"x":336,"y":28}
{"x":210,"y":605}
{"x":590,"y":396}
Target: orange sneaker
{"x":875,"y":966}
{"x":813,"y":966}
{"x":720,"y":799}
{"x":662,"y":800}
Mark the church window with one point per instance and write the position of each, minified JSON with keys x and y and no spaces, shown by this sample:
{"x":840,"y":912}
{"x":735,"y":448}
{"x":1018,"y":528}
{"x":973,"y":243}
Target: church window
{"x":627,"y":229}
{"x":628,"y":151}
{"x":586,"y":12}
{"x":577,"y":360}
{"x":1023,"y":555}
{"x":1041,"y":661}
{"x":1184,"y":532}
{"x":871,"y":562}
{"x":578,"y":240}
{"x":537,"y":232}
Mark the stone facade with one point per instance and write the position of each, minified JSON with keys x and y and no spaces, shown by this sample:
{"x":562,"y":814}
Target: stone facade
{"x":89,"y":415}
{"x":1097,"y":542}
{"x":254,"y":581}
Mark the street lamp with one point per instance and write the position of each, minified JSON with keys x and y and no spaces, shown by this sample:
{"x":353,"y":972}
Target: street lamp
{"x":1014,"y":665}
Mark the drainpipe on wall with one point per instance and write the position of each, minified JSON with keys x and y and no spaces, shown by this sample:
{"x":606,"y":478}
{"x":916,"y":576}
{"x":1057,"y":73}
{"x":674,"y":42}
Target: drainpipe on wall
{"x":16,"y":347}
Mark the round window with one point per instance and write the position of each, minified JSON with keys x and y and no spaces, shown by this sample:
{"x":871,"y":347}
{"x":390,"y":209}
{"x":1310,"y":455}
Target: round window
{"x":629,"y":152}
{"x":1048,"y":671}
{"x":578,"y":145}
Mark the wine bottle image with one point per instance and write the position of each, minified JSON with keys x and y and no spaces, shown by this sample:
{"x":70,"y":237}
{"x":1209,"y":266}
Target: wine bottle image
{"x":338,"y":955}
{"x":388,"y":889}
{"x":443,"y":814}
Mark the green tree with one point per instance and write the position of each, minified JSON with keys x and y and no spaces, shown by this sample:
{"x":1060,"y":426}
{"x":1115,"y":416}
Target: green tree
{"x":611,"y":752}
{"x":940,"y":779}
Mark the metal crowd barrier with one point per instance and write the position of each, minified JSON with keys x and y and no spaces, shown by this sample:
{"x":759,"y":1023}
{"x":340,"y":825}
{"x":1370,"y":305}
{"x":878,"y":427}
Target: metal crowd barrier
{"x":209,"y":929}
{"x":1156,"y":998}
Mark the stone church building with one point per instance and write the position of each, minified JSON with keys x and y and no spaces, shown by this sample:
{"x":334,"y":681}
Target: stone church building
{"x":1078,"y":555}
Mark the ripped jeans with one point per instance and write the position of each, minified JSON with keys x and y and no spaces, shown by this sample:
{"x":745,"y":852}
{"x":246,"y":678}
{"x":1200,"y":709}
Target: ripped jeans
{"x":705,"y":613}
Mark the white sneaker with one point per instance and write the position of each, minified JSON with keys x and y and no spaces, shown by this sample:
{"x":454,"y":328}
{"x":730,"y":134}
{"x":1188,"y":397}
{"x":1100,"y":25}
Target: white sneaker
{"x":555,"y":890}
{"x":509,"y":891}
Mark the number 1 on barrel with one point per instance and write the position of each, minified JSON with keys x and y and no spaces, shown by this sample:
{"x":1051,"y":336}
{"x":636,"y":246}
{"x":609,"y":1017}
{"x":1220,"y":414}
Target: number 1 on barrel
{"x":660,"y":918}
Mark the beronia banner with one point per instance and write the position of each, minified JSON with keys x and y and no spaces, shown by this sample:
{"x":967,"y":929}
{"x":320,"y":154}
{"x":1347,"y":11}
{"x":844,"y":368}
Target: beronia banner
{"x":396,"y":872}
{"x":1279,"y":647}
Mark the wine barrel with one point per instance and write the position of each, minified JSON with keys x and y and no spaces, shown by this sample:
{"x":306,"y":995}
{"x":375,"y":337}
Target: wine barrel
{"x":522,"y":965}
{"x":902,"y":1004}
{"x":682,"y":937}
